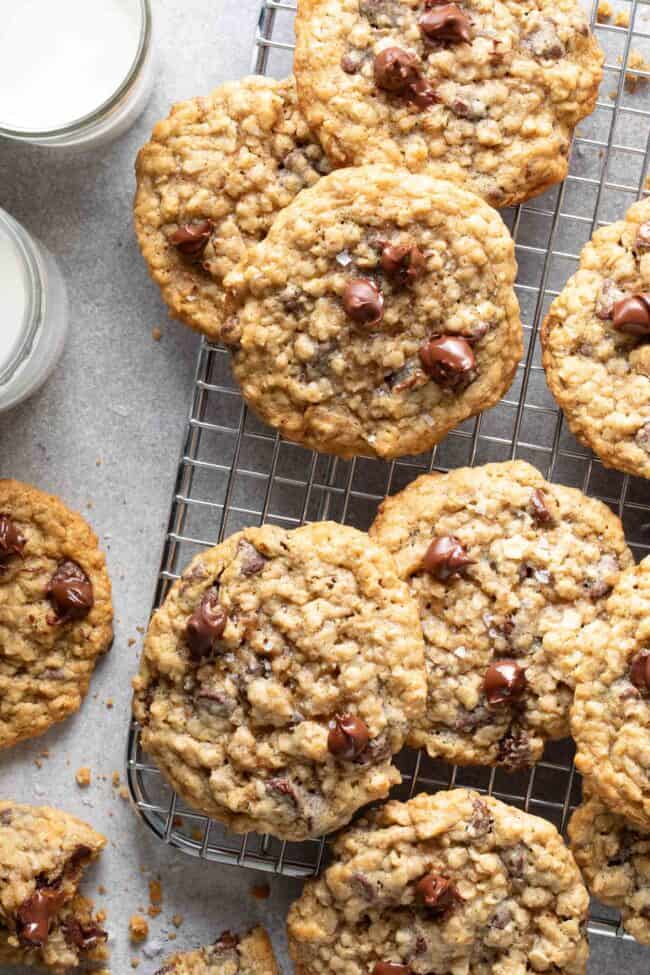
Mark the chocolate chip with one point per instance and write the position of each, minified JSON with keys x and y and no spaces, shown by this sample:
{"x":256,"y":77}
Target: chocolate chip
{"x":390,"y":968}
{"x":348,"y":737}
{"x":351,"y":63}
{"x":85,"y":937}
{"x":446,"y":23}
{"x":482,"y":821}
{"x":631,"y":315}
{"x":404,"y":262}
{"x":252,"y":561}
{"x":283,"y":788}
{"x":514,"y":751}
{"x":504,"y":681}
{"x":206,"y":625}
{"x":449,"y":361}
{"x":437,"y":893}
{"x":445,"y":557}
{"x":539,"y":508}
{"x":71,"y":592}
{"x":11,"y":541}
{"x":226,"y":942}
{"x":640,"y":671}
{"x":363,"y":301}
{"x":396,"y":70}
{"x":643,"y":236}
{"x":34,"y":915}
{"x":190,"y":238}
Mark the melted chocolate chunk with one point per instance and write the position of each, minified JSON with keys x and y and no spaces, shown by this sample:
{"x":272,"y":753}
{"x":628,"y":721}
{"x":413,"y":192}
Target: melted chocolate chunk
{"x":640,"y":671}
{"x":363,"y":301}
{"x":505,"y":681}
{"x":608,"y":297}
{"x":436,"y":893}
{"x":390,"y":968}
{"x":191,"y":238}
{"x":283,"y":788}
{"x":447,"y":23}
{"x":402,"y":262}
{"x":348,"y":737}
{"x":11,"y":541}
{"x":631,"y":315}
{"x":252,"y":561}
{"x":399,"y":72}
{"x":35,"y":915}
{"x":449,"y":361}
{"x":206,"y":625}
{"x":226,"y":942}
{"x":71,"y":592}
{"x":445,"y":558}
{"x":85,"y":937}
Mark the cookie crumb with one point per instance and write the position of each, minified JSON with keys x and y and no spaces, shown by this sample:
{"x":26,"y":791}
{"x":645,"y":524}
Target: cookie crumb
{"x":177,"y":920}
{"x":83,"y":777}
{"x":101,"y":889}
{"x":156,"y":334}
{"x":177,"y":821}
{"x":123,"y":793}
{"x":115,"y":779}
{"x":637,"y":62}
{"x":172,"y":936}
{"x":138,"y":927}
{"x":622,"y":19}
{"x":605,"y":11}
{"x":131,"y":641}
{"x":197,"y":834}
{"x":110,"y":703}
{"x":155,"y":892}
{"x":135,"y":962}
{"x":261,"y":891}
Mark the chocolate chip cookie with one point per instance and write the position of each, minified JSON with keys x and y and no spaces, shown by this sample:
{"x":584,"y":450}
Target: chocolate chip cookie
{"x":615,"y":861}
{"x":279,"y":678}
{"x":596,"y":344}
{"x":484,"y":92}
{"x":55,"y":610}
{"x":610,"y":718}
{"x":44,"y":921}
{"x":250,"y":954}
{"x":507,"y":570}
{"x":209,"y":183}
{"x":378,"y":313}
{"x":454,"y":882}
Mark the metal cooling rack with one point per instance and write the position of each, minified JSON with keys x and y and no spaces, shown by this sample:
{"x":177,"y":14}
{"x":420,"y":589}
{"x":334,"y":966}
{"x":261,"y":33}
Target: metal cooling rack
{"x":234,"y":471}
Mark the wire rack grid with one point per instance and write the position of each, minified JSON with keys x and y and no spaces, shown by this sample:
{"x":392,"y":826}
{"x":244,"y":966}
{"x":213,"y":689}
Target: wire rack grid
{"x":234,"y":471}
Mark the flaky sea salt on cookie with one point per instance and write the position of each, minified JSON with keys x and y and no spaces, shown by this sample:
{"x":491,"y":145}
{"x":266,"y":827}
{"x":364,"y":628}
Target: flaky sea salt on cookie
{"x":378,"y":313}
{"x":210,"y":182}
{"x":279,"y":678}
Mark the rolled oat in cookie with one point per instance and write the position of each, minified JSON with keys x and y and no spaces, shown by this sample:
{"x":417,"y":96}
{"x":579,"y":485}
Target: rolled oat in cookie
{"x":210,"y":182}
{"x":279,"y":678}
{"x":507,"y":570}
{"x":610,"y":718}
{"x":231,"y":954}
{"x":44,"y":921}
{"x":56,"y":613}
{"x":614,"y":857}
{"x":596,"y":344}
{"x":453,"y":882}
{"x":378,"y":313}
{"x":483,"y":92}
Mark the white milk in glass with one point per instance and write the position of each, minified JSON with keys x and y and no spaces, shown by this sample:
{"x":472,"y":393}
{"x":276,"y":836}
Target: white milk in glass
{"x":14,"y":300}
{"x":63,"y":63}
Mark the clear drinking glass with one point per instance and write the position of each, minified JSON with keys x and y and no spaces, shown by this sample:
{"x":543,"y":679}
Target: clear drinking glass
{"x":33,"y":313}
{"x":119,"y":106}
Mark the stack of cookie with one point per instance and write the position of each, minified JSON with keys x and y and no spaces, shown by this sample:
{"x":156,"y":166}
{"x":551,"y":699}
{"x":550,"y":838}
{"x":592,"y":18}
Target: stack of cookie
{"x":369,"y":309}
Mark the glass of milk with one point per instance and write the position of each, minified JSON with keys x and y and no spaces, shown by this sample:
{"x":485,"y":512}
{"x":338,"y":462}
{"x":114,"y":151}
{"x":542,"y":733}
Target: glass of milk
{"x":33,"y":313}
{"x":73,"y":72}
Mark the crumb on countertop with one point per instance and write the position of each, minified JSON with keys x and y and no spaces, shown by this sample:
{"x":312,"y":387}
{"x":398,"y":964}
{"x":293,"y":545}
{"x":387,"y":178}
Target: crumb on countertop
{"x":82,"y":776}
{"x":156,"y":334}
{"x":261,"y":891}
{"x":155,"y":892}
{"x":115,"y":779}
{"x":135,"y":962}
{"x":177,"y":920}
{"x":138,"y":927}
{"x":109,"y":703}
{"x":622,"y":19}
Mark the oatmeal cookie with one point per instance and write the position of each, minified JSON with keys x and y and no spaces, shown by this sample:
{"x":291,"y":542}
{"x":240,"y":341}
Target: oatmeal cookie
{"x":210,"y":182}
{"x":454,"y":882}
{"x":596,"y":348}
{"x":279,"y":677}
{"x":615,"y":861}
{"x":378,"y":313}
{"x":231,"y":954}
{"x":610,"y":718}
{"x":484,"y":92}
{"x":44,"y":921}
{"x":55,"y":610}
{"x":507,"y":570}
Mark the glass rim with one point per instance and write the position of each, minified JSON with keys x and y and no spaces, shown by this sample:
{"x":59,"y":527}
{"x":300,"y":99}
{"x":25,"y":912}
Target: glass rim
{"x":96,"y":115}
{"x":33,"y":290}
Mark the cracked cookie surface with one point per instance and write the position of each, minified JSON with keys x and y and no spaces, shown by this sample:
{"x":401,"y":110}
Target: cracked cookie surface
{"x":231,"y":954}
{"x":450,"y":882}
{"x":507,"y":570}
{"x":44,"y":921}
{"x":55,"y":610}
{"x":610,"y":718}
{"x":378,"y":313}
{"x":485,"y":92}
{"x":596,"y":344}
{"x":209,"y":184}
{"x":615,"y":861}
{"x":279,"y":677}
